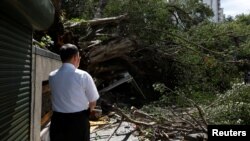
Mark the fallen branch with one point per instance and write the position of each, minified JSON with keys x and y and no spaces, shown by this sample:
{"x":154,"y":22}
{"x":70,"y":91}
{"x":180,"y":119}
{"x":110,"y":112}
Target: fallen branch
{"x":115,"y":129}
{"x":174,"y":129}
{"x":184,"y":120}
{"x":159,"y":130}
{"x":141,"y":114}
{"x":101,"y":21}
{"x":127,"y":118}
{"x":203,"y":129}
{"x":200,"y":110}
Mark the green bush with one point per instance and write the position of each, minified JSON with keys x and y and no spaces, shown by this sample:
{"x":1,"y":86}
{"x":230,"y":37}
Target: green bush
{"x":233,"y":107}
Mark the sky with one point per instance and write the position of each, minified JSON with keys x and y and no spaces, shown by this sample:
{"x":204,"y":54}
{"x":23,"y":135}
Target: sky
{"x":235,"y":7}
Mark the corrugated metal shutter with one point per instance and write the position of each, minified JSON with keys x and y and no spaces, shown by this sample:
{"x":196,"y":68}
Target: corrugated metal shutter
{"x":15,"y":80}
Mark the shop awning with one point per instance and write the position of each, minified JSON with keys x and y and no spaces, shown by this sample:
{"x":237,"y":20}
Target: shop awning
{"x":37,"y":13}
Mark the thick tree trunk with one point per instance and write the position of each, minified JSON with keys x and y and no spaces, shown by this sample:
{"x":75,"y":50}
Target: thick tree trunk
{"x":111,"y":50}
{"x":84,"y":24}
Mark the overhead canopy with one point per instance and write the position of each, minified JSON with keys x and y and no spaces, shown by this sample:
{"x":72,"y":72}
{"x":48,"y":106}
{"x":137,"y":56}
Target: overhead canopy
{"x":37,"y":13}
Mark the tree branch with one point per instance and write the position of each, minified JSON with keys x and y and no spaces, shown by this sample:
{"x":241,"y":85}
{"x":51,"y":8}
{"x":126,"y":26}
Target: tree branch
{"x":101,"y":21}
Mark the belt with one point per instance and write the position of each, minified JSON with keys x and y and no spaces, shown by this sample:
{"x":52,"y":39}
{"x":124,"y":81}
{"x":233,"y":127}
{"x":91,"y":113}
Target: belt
{"x":84,"y":112}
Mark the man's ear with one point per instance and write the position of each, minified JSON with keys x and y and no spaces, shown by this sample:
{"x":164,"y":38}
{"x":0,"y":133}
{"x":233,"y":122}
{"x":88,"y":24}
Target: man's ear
{"x":74,"y":58}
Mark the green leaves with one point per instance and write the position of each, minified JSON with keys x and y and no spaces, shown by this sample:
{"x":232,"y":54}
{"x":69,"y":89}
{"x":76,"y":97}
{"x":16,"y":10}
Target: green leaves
{"x":190,"y":52}
{"x":46,"y":41}
{"x":231,"y":107}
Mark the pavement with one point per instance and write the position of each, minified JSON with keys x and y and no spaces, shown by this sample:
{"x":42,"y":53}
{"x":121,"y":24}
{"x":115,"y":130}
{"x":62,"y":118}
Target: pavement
{"x":125,"y":132}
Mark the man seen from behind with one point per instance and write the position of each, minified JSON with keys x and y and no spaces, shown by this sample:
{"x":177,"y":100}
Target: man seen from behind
{"x":73,"y":96}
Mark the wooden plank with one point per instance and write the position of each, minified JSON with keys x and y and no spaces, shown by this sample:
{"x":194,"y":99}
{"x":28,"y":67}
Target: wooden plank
{"x":46,"y":119}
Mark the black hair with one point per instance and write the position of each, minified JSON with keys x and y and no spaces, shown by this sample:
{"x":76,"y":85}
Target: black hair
{"x":67,"y":51}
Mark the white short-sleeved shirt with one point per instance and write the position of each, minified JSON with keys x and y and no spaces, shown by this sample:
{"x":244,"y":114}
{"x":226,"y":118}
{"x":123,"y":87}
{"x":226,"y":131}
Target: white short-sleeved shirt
{"x":72,"y":89}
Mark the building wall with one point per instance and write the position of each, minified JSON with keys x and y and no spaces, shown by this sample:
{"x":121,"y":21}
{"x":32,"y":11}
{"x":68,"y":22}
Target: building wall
{"x":216,"y":7}
{"x":43,"y":63}
{"x":221,"y":15}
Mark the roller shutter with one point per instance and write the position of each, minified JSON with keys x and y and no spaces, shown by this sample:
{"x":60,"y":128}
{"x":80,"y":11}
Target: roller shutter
{"x":15,"y":80}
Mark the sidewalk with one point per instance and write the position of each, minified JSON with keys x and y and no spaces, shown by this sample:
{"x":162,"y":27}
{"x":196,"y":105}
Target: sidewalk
{"x":124,"y":133}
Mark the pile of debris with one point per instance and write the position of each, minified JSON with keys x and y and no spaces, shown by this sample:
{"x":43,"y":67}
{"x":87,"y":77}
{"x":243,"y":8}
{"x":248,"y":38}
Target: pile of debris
{"x":109,"y":54}
{"x":176,"y":124}
{"x":114,"y":59}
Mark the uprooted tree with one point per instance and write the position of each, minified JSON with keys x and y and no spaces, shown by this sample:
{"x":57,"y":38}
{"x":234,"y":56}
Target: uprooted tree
{"x":172,"y":43}
{"x":156,"y":42}
{"x":134,"y":38}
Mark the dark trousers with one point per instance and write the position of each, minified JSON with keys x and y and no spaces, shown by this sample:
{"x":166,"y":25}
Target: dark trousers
{"x":70,"y":126}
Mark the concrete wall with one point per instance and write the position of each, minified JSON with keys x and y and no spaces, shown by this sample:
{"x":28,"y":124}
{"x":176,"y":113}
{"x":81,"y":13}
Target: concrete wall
{"x":215,"y":6}
{"x":42,"y":64}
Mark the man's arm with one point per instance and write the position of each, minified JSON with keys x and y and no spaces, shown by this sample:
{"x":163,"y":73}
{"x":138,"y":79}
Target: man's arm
{"x":91,"y":92}
{"x":92,"y":105}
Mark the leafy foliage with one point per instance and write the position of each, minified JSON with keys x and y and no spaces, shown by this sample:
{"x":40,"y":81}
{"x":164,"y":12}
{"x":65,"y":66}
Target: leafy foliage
{"x":79,"y":8}
{"x":231,"y":107}
{"x":187,"y":52}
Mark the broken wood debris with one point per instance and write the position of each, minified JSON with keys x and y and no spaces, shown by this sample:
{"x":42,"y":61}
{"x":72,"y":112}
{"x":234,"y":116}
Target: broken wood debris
{"x":179,"y":125}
